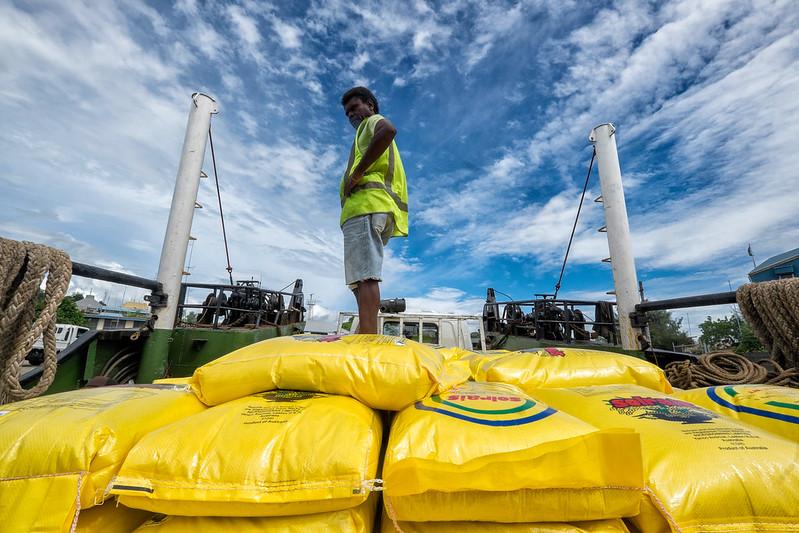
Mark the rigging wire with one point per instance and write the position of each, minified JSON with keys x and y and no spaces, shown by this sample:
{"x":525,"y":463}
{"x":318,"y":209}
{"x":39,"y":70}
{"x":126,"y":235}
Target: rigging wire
{"x":504,"y":294}
{"x":221,"y":214}
{"x":574,"y":227}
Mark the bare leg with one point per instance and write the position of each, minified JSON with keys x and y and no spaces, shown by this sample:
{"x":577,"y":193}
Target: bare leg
{"x":358,"y":327}
{"x":368,"y":305}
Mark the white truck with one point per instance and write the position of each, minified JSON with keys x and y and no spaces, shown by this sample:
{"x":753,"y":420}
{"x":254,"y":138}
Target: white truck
{"x":65,"y":334}
{"x":462,"y":331}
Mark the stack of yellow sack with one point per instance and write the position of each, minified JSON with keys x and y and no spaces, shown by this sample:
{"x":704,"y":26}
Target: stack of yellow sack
{"x":488,"y":452}
{"x":704,"y":472}
{"x":291,"y":440}
{"x":58,"y":453}
{"x":277,"y":453}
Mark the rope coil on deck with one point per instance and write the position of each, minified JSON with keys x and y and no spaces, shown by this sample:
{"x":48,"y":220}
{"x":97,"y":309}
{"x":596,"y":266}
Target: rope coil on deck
{"x":727,"y":368}
{"x":23,"y":267}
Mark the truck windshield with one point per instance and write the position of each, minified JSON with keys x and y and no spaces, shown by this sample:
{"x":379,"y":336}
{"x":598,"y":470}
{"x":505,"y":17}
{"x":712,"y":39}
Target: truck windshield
{"x":410,"y":330}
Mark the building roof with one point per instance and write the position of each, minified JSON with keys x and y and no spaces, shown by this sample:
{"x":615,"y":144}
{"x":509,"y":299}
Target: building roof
{"x":784,"y":257}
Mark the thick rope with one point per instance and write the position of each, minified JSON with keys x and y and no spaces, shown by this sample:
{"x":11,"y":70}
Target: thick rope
{"x":727,"y":368}
{"x":772,"y":309}
{"x":23,"y":267}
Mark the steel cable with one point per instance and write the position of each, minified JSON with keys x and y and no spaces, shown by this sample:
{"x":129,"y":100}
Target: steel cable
{"x":574,"y":227}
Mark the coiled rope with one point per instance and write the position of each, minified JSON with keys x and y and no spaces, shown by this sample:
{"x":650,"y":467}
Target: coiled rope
{"x":727,"y":368}
{"x":23,"y":267}
{"x":772,"y":309}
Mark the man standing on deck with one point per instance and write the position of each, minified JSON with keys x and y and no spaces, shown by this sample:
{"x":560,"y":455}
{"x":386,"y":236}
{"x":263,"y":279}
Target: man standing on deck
{"x":374,"y":201}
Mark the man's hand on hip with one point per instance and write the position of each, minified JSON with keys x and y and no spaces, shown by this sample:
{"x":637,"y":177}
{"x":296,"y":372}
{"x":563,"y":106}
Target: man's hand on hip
{"x":352,"y":182}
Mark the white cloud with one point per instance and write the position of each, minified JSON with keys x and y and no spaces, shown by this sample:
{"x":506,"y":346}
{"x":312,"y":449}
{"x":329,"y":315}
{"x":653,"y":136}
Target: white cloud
{"x":289,"y":35}
{"x":246,"y":28}
{"x":248,"y":122}
{"x":493,"y":22}
{"x":445,"y":300}
{"x":360,"y":60}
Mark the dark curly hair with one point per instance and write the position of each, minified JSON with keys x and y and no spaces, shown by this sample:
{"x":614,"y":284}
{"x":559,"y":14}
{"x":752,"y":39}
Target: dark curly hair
{"x":364,"y":94}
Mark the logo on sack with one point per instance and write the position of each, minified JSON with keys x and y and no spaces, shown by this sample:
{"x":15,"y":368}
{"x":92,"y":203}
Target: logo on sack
{"x":552,"y":352}
{"x":486,"y":409}
{"x":287,"y":395}
{"x":669,"y":409}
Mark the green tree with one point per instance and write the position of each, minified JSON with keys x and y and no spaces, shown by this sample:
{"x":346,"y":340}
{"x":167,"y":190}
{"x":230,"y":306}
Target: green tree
{"x":729,"y":332}
{"x":666,"y":331}
{"x":749,"y":341}
{"x":67,"y":312}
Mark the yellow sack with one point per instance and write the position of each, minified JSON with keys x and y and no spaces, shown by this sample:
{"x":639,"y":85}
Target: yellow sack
{"x":111,"y":518}
{"x":173,"y":381}
{"x":382,"y":372}
{"x":460,"y":362}
{"x":769,"y":407}
{"x":704,"y":472}
{"x":59,"y":452}
{"x":272,"y":454}
{"x":488,"y":452}
{"x":596,"y":526}
{"x":354,"y":520}
{"x":569,"y":367}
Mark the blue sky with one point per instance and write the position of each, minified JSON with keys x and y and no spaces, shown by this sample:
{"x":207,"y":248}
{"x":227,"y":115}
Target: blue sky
{"x":493,"y":101}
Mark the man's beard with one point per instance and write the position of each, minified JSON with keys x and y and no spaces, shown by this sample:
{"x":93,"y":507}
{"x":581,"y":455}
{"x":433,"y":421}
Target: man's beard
{"x":356,"y":121}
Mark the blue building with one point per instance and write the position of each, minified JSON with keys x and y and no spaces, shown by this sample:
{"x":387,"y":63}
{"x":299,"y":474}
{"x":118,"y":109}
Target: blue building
{"x":782,"y":266}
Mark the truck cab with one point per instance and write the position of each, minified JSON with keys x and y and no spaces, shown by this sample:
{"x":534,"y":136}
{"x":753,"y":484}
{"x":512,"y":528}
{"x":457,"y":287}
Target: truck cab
{"x":65,"y":334}
{"x":461,"y":331}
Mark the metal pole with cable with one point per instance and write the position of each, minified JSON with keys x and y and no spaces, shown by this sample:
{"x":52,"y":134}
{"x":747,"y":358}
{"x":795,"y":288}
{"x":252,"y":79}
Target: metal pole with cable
{"x":219,"y":198}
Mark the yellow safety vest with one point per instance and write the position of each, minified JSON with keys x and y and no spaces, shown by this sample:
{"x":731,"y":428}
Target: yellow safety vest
{"x":382,"y":188}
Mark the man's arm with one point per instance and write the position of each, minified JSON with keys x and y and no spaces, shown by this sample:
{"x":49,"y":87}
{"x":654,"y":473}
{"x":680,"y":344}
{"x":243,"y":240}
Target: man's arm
{"x":381,"y":140}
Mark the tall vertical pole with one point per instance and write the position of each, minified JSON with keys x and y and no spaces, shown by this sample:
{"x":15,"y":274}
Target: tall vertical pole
{"x":176,"y":240}
{"x":618,"y":230}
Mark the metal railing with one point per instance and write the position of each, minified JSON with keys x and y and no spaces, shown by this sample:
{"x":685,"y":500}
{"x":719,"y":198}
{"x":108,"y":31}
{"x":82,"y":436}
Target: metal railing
{"x":243,"y":304}
{"x":551,"y":319}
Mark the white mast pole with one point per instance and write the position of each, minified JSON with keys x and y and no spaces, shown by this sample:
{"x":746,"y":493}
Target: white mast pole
{"x":618,"y":229}
{"x":176,"y":240}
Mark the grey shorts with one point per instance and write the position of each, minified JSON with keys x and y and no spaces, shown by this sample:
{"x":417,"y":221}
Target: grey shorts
{"x":364,"y":239}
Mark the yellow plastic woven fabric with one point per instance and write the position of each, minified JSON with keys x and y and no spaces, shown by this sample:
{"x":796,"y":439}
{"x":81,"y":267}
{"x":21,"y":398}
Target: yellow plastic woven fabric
{"x":382,"y":372}
{"x":569,"y":367}
{"x":596,"y":526}
{"x":355,"y":520}
{"x":460,"y":361}
{"x":489,"y":452}
{"x":59,"y":452}
{"x":705,"y":472}
{"x":272,"y":454}
{"x":111,"y":518}
{"x":173,"y":381}
{"x":768,"y":407}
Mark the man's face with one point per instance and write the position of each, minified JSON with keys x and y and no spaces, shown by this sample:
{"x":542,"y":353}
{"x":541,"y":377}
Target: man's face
{"x":357,"y":110}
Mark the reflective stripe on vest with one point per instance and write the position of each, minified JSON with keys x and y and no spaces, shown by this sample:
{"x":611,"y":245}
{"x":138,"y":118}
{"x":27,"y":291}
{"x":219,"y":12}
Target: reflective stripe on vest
{"x":387,"y":182}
